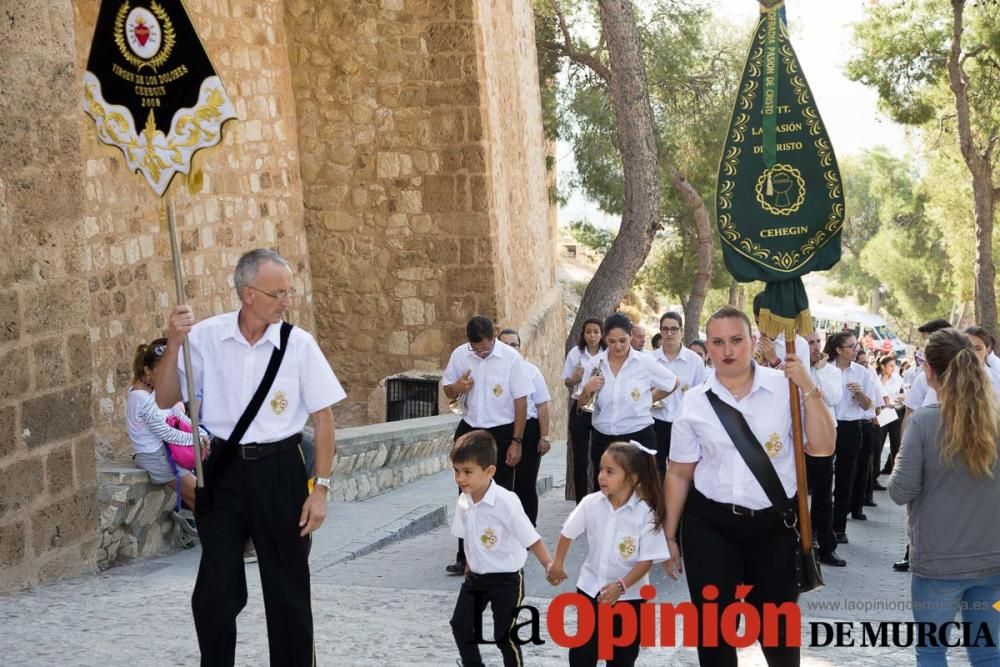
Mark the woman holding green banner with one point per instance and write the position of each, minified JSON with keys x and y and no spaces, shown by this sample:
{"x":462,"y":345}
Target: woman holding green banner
{"x":733,"y":535}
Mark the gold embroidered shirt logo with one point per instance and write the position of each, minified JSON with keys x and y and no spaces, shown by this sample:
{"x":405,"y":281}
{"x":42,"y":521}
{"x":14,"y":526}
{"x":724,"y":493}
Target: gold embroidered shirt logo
{"x":279,"y":403}
{"x":497,"y":390}
{"x":627,"y":547}
{"x":488,"y":538}
{"x":636,"y":394}
{"x":773,"y":445}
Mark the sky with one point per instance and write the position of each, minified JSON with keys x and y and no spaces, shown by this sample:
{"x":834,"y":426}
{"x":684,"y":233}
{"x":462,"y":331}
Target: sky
{"x":821,"y":36}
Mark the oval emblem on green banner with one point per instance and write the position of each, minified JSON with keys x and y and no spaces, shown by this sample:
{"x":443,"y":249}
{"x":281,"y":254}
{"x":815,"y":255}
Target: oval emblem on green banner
{"x":779,"y":199}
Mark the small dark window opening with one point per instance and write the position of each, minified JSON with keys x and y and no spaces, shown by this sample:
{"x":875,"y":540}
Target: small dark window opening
{"x":407,"y":398}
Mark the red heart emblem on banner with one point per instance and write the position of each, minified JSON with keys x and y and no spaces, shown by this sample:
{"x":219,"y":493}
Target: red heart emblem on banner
{"x":142,"y":34}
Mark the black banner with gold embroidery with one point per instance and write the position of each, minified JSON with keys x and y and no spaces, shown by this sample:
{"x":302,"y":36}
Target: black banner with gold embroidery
{"x":151,"y":88}
{"x":779,"y":198}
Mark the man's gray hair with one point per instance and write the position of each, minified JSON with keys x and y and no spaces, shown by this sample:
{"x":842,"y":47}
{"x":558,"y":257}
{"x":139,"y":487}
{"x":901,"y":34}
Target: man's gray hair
{"x":249,"y":264}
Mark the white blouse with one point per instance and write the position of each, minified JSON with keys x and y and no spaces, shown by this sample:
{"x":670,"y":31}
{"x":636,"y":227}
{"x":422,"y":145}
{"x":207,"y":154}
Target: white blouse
{"x":625,"y":401}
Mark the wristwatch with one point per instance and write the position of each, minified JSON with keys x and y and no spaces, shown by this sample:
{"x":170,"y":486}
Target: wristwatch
{"x":547,"y":439}
{"x":323,"y":481}
{"x":517,"y":439}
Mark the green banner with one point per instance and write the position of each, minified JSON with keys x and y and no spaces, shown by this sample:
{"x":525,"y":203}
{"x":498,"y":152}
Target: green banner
{"x":779,"y":199}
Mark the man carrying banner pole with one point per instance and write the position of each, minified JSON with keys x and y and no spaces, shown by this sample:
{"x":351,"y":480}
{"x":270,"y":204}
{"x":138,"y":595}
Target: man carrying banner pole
{"x":153,"y":93}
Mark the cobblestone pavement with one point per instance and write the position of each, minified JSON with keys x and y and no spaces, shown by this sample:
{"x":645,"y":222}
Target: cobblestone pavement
{"x":391,"y":607}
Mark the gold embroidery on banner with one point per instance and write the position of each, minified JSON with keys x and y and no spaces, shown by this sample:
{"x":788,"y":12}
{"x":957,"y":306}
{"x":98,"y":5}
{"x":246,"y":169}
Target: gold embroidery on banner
{"x":279,"y":403}
{"x":166,"y":46}
{"x":773,"y":445}
{"x":784,"y":261}
{"x":488,"y":538}
{"x":784,"y":178}
{"x":627,"y":547}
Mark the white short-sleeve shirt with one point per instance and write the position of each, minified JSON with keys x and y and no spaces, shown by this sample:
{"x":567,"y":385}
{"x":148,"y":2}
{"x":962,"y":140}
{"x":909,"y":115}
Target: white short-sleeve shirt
{"x":625,"y":401}
{"x":497,"y":381}
{"x":496,"y":531}
{"x":831,"y":384}
{"x":801,"y":348}
{"x":919,"y":394}
{"x":227,"y":371}
{"x":576,"y":357}
{"x":539,"y":392}
{"x":617,"y":539}
{"x":699,"y":437}
{"x":848,"y":409}
{"x":689,"y":369}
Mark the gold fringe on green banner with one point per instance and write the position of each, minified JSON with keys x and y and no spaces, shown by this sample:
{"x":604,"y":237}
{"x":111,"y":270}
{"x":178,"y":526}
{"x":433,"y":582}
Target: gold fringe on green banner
{"x":771,"y":325}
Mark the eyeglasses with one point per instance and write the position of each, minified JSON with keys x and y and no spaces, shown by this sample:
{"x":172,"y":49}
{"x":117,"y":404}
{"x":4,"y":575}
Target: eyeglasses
{"x":848,"y":347}
{"x":670,"y":330}
{"x":514,"y":345}
{"x":280,"y":295}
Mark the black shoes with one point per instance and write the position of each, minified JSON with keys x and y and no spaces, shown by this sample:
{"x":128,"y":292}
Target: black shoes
{"x":902,"y":565}
{"x":832,"y":558}
{"x":879,"y":487}
{"x":859,"y":516}
{"x":841,"y":538}
{"x":870,"y":503}
{"x":458,"y":567}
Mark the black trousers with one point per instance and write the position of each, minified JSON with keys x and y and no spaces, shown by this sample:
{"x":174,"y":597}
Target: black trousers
{"x":819,"y":472}
{"x":261,"y":500}
{"x":848,"y":448}
{"x":624,"y":656}
{"x":599,"y":444}
{"x":526,"y":472}
{"x":505,"y":474}
{"x":863,"y":470}
{"x":503,"y":592}
{"x":895,"y":431}
{"x":579,"y":436}
{"x":663,"y":430}
{"x":726,"y":550}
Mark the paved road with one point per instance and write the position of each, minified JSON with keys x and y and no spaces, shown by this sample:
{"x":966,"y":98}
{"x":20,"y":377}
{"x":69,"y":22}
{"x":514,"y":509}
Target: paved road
{"x":391,"y":607}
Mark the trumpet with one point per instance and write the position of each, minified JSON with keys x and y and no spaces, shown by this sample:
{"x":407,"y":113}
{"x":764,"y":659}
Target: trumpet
{"x":578,"y":389}
{"x":460,"y":405}
{"x":592,"y":403}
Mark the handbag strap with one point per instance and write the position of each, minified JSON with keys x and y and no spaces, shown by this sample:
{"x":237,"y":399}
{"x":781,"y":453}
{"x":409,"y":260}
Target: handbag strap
{"x":753,"y":455}
{"x":253,"y":407}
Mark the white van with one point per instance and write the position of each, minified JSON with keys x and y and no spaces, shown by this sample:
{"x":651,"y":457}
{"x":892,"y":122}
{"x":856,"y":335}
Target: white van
{"x":872,"y":330}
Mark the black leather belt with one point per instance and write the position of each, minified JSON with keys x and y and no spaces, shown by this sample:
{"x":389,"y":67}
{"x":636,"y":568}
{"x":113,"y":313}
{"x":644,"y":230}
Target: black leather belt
{"x":738,"y":510}
{"x":254,"y":451}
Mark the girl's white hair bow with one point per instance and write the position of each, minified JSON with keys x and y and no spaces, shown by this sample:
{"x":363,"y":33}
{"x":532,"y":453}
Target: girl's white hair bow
{"x":651,"y":452}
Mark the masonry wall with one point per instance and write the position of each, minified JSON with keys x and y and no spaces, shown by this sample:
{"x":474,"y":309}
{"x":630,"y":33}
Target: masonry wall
{"x":252,"y":198}
{"x":411,"y":207}
{"x":47,"y":507}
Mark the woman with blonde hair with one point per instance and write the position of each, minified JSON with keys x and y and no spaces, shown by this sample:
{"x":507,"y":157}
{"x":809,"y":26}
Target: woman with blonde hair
{"x":947,"y":474}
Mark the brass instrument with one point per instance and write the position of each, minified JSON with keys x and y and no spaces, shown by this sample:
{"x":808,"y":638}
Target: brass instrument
{"x":460,"y":405}
{"x":592,"y":403}
{"x":578,"y":389}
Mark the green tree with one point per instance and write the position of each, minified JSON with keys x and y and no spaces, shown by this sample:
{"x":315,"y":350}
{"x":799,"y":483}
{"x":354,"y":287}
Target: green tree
{"x":937,"y":65}
{"x":598,"y":239}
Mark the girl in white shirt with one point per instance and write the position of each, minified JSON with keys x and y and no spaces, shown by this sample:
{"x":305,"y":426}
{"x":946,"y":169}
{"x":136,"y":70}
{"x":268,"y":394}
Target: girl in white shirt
{"x":624,"y":528}
{"x":589,"y":345}
{"x":147,"y":425}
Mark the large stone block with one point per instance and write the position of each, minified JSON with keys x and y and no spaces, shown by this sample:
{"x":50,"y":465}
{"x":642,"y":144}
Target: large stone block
{"x":64,"y":521}
{"x":50,"y":363}
{"x":15,"y":376}
{"x":56,"y":415}
{"x":12,"y":543}
{"x":8,"y":430}
{"x":55,"y":306}
{"x":10,"y":318}
{"x":59,"y":469}
{"x":21,"y":482}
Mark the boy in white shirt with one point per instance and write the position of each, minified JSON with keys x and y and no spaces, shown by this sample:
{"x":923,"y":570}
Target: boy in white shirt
{"x":496,"y":532}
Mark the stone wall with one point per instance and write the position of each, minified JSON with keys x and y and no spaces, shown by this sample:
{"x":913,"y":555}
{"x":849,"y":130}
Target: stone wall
{"x":252,"y":197}
{"x":47,"y":509}
{"x":423,"y":166}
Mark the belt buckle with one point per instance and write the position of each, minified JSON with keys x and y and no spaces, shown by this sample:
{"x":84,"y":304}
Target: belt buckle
{"x":249,"y":452}
{"x":741,"y":511}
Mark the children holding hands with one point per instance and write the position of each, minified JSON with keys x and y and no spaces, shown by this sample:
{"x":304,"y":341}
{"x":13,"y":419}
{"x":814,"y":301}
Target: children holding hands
{"x":623,"y":523}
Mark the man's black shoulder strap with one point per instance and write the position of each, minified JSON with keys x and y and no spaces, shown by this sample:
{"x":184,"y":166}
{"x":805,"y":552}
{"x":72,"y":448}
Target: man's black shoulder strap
{"x":750,"y":449}
{"x":262,"y":390}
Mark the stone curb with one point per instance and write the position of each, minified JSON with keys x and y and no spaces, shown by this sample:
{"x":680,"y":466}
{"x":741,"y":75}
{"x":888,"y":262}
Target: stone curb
{"x":415,"y":522}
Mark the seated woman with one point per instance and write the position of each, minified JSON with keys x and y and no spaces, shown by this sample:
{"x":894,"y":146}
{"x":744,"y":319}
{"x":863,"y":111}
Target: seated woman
{"x":148,"y":429}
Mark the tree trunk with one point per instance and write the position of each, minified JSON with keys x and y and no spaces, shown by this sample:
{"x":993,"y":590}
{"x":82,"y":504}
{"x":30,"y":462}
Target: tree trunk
{"x":637,"y":142}
{"x":980,"y":167}
{"x":703,"y":229}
